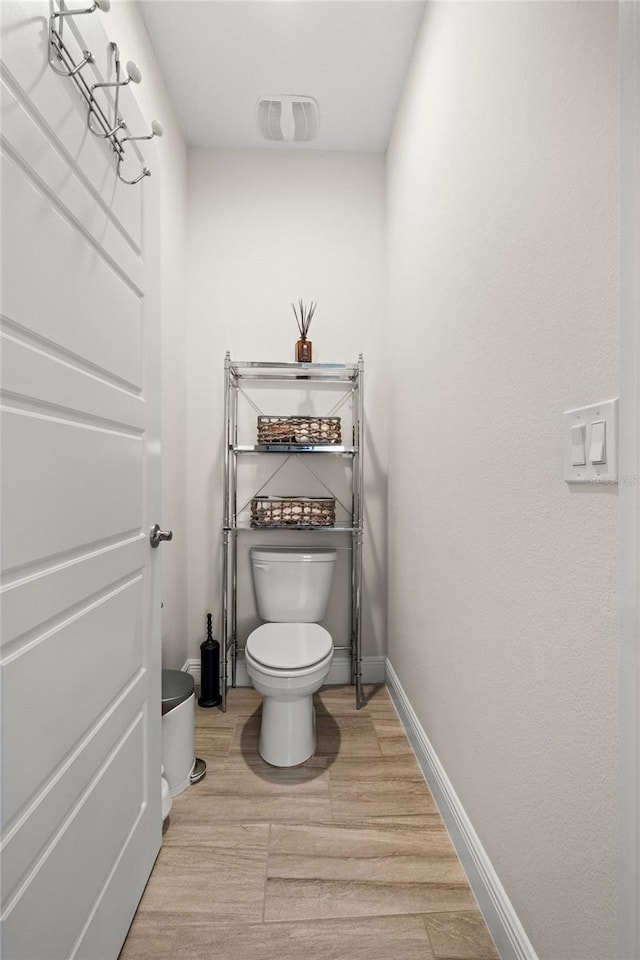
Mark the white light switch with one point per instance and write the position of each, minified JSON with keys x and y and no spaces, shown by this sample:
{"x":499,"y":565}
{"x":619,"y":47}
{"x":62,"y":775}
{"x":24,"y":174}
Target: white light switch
{"x":598,"y":447}
{"x":578,"y":443}
{"x":590,"y":443}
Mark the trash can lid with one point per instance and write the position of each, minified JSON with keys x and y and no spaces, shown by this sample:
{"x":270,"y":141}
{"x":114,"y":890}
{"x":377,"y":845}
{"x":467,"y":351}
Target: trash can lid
{"x":177,"y":686}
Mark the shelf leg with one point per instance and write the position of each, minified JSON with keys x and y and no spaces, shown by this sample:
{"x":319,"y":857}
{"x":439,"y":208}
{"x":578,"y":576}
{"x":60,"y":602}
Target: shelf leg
{"x":234,"y":612}
{"x":224,"y":613}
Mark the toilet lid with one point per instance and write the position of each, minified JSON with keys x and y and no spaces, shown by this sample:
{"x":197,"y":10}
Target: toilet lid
{"x":289,"y":646}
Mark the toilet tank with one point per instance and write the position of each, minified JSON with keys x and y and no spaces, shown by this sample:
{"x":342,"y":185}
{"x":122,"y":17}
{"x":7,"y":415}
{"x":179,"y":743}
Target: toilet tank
{"x":292,"y":584}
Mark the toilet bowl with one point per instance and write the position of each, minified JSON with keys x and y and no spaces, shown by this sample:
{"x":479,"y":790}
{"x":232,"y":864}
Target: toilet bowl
{"x":287,"y":663}
{"x":289,"y":658}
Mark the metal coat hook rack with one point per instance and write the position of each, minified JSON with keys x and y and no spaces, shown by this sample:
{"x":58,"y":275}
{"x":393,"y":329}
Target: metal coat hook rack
{"x":103,"y":122}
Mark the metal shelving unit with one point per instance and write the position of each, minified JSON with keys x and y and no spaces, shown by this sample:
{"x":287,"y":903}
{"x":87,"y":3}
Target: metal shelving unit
{"x":238,"y":378}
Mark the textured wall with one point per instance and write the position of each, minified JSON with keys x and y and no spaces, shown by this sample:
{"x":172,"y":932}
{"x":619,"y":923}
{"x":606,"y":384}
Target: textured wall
{"x":124,"y":25}
{"x":503,"y":243}
{"x":267,"y":228}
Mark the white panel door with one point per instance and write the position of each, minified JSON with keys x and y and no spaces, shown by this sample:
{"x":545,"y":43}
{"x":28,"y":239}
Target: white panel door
{"x":80,"y":637}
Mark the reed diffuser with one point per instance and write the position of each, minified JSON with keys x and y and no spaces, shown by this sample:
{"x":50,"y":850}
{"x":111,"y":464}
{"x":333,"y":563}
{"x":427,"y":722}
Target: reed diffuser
{"x":304,"y":316}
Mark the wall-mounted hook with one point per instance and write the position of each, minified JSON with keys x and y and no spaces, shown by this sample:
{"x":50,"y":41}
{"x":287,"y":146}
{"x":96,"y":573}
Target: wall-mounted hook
{"x":109,"y":126}
{"x":104,"y":5}
{"x":88,"y":58}
{"x":156,"y":131}
{"x":55,"y":37}
{"x":133,"y":76}
{"x":145,"y":173}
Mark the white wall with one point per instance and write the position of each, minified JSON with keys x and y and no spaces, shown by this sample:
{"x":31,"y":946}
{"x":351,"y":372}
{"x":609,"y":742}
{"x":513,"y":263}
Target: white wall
{"x":629,"y":846}
{"x":124,"y":25}
{"x":267,"y":228}
{"x":503,"y":241}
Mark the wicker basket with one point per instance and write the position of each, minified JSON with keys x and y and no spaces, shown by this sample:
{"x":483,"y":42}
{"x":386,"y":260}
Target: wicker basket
{"x":293,"y":512}
{"x":308,"y":431}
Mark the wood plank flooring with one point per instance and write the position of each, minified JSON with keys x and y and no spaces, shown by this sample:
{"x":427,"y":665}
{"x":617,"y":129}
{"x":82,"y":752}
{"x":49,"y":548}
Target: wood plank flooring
{"x":343,"y":858}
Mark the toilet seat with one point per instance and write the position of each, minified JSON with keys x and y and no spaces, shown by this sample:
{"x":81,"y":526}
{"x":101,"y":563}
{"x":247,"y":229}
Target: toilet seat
{"x":289,"y":646}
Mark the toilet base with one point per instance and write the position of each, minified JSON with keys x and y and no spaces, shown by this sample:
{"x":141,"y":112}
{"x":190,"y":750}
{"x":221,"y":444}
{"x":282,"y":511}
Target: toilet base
{"x":287,"y":731}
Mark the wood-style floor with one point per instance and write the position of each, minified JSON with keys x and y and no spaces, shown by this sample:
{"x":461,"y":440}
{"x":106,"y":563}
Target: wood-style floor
{"x":343,"y":858}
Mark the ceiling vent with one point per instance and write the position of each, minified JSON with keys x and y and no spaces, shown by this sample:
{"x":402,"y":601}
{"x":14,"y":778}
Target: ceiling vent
{"x":286,"y":117}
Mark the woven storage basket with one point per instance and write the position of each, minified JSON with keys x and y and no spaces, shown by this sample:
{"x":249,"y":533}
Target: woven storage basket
{"x":302,"y":430}
{"x":293,"y":512}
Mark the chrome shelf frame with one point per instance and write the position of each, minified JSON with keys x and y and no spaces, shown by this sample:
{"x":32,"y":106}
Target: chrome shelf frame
{"x":331,"y":449}
{"x":318,"y":372}
{"x":236,"y":374}
{"x":338,"y":527}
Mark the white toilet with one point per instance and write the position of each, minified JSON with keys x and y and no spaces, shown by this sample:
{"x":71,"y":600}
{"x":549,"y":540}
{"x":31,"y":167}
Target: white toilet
{"x":289,"y":657}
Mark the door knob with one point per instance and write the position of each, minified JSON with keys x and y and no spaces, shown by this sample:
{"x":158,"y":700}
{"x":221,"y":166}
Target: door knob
{"x":157,"y":535}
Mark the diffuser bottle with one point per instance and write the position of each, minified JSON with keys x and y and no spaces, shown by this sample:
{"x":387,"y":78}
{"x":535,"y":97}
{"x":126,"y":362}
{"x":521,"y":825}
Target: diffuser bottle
{"x":304,"y":316}
{"x":304,"y":350}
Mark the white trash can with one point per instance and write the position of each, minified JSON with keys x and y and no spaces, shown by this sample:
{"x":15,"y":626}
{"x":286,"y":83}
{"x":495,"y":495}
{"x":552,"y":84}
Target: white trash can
{"x":166,"y":799}
{"x":178,"y":729}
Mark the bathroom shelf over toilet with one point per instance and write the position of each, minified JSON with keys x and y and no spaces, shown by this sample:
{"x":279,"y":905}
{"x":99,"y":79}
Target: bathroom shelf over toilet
{"x":250,"y":470}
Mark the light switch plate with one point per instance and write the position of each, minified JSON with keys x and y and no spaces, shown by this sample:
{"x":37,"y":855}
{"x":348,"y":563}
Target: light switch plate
{"x":595,"y":473}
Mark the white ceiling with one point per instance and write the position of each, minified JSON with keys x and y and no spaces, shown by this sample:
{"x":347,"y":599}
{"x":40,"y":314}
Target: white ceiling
{"x":219,"y":57}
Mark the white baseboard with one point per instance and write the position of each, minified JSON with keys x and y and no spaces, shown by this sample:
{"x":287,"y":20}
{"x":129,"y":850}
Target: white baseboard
{"x":507,"y":931}
{"x":373,"y":671}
